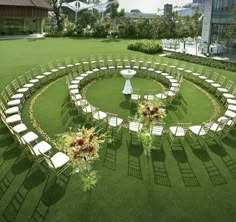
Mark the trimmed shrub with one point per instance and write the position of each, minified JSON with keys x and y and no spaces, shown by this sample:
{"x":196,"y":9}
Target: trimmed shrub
{"x":203,"y":61}
{"x":146,"y":46}
{"x":55,"y":34}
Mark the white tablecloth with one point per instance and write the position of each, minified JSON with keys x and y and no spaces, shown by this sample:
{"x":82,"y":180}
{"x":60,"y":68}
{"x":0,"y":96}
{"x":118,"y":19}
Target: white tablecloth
{"x":127,"y":74}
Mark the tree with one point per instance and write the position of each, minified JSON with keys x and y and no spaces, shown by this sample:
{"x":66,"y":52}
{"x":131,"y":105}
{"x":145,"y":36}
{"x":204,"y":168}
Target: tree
{"x":196,"y":23}
{"x":60,"y":17}
{"x":144,"y":27}
{"x":87,"y":18}
{"x":112,"y":9}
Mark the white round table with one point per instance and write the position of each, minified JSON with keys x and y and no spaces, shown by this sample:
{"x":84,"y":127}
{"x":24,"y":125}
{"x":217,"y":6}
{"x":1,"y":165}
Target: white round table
{"x":127,"y":74}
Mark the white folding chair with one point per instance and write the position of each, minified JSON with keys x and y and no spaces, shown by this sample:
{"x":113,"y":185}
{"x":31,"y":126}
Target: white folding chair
{"x":178,"y":132}
{"x":157,"y":132}
{"x":58,"y":162}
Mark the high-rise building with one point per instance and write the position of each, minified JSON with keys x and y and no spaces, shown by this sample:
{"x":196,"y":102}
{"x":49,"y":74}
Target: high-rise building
{"x":168,"y":9}
{"x":217,"y":18}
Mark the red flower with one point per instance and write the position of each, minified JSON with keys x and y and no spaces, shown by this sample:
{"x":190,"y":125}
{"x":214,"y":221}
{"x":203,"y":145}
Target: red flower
{"x":80,"y":142}
{"x":152,"y":112}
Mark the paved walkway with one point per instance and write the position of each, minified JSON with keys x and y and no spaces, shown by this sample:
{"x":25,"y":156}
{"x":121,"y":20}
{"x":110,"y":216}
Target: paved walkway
{"x":193,"y":50}
{"x":32,"y":36}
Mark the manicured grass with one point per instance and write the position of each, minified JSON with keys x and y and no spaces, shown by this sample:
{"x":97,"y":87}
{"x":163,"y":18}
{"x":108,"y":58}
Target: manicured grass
{"x":189,"y":184}
{"x":110,"y":97}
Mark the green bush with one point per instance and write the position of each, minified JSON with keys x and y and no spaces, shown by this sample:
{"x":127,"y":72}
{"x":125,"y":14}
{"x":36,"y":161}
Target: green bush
{"x":100,"y":30}
{"x":146,"y":46}
{"x":55,"y":34}
{"x":203,"y":61}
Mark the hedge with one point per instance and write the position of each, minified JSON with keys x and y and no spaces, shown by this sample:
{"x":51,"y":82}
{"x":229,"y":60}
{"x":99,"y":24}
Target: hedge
{"x":203,"y":61}
{"x":146,"y":46}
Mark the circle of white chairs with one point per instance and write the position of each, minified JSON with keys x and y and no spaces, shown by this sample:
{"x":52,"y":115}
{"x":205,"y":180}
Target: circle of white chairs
{"x":86,"y":70}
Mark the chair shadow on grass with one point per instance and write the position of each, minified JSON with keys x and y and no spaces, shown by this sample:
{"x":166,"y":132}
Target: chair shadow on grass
{"x":125,"y":104}
{"x":135,"y":150}
{"x":20,"y":165}
{"x":12,"y":152}
{"x":133,"y":109}
{"x":8,"y":178}
{"x":3,"y":130}
{"x":128,"y":105}
{"x":54,"y":190}
{"x":230,"y":163}
{"x":66,"y":107}
{"x":6,"y":140}
{"x":188,"y":175}
{"x":183,"y":101}
{"x":212,"y":170}
{"x":32,"y":179}
{"x":10,"y":149}
{"x":110,"y":154}
{"x":69,"y":114}
{"x":161,"y":176}
{"x":182,"y":104}
{"x":176,"y":112}
{"x":230,"y":139}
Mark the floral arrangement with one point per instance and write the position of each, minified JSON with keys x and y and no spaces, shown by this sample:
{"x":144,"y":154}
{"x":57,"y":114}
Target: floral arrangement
{"x":151,"y":112}
{"x":82,"y":147}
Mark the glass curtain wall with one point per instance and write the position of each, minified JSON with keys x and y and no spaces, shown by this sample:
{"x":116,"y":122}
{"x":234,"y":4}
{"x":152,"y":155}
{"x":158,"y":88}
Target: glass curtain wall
{"x":221,"y":20}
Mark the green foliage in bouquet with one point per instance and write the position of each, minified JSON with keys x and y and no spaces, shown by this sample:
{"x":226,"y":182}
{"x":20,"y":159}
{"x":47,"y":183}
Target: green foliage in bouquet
{"x":89,"y":180}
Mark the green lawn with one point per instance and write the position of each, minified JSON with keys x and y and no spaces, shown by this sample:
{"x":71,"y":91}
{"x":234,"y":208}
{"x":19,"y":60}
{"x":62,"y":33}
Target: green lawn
{"x":189,"y":184}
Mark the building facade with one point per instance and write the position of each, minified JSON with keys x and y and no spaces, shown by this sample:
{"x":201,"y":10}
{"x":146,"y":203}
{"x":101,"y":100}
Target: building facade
{"x":217,"y":18}
{"x":22,"y":16}
{"x":198,"y":1}
{"x":168,"y":9}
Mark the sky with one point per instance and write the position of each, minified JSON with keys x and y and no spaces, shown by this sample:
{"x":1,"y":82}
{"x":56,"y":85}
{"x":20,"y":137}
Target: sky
{"x":149,"y":5}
